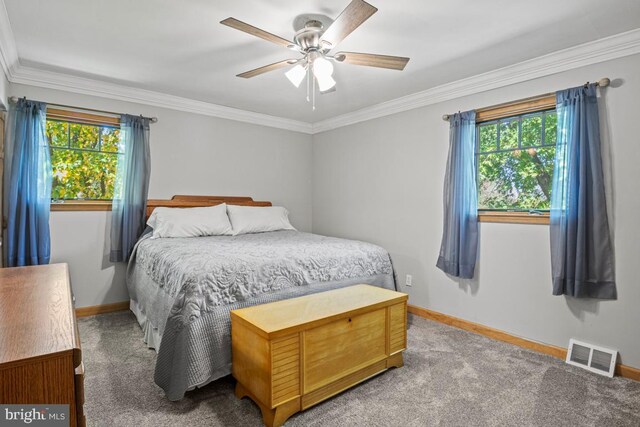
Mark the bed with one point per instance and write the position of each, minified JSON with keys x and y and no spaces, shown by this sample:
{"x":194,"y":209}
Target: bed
{"x":182,"y":289}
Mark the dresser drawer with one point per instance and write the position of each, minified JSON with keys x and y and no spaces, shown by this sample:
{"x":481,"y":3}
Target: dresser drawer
{"x":341,"y":347}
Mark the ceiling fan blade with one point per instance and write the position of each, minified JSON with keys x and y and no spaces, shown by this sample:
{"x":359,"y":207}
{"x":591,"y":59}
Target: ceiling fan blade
{"x":255,"y":31}
{"x":351,"y":18}
{"x":371,"y":60}
{"x":267,"y":68}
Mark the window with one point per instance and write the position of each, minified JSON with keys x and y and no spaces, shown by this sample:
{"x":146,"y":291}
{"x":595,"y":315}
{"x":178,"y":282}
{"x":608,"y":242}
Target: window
{"x":84,"y":156}
{"x":515,"y":162}
{"x":515,"y":156}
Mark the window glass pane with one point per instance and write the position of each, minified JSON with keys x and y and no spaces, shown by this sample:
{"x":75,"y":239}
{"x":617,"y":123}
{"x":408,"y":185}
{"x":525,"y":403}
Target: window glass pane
{"x":58,"y":133}
{"x":84,"y":136}
{"x":492,"y":182}
{"x":110,"y":140}
{"x":531,"y":131}
{"x":518,"y":179}
{"x":509,"y":134}
{"x":550,"y":127}
{"x":83,"y":160}
{"x":488,"y":137}
{"x":82,"y":174}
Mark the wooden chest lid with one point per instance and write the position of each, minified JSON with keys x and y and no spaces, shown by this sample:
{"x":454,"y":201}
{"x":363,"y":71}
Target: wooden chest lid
{"x":291,"y":315}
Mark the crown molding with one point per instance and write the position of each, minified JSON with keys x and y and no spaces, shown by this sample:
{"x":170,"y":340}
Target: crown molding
{"x":8,"y":51}
{"x":605,"y":49}
{"x":53,"y":80}
{"x":608,"y":48}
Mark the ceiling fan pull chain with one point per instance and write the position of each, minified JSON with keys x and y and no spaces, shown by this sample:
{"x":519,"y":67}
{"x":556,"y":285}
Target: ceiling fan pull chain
{"x":314,"y":92}
{"x":308,"y":82}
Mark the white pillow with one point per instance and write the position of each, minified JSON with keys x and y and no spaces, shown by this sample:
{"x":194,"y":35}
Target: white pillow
{"x":190,"y":222}
{"x":254,"y":219}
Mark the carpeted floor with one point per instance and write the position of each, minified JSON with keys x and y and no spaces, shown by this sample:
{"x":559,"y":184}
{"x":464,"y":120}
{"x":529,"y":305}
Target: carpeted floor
{"x":450,"y":378}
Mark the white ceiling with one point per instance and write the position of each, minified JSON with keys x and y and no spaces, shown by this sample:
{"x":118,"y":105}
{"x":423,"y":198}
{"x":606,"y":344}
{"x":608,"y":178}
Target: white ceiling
{"x":179,"y":48}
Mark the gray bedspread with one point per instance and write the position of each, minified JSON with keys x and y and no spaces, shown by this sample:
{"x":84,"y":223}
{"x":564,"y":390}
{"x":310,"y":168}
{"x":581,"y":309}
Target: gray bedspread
{"x":182,"y":290}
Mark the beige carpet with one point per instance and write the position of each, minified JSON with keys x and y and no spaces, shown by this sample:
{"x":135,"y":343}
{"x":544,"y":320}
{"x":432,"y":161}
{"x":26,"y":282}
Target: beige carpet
{"x":450,"y":378}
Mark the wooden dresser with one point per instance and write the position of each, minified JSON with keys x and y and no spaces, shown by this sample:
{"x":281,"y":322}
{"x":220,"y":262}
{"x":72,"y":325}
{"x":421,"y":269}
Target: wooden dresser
{"x":40,"y":357}
{"x":292,"y":354}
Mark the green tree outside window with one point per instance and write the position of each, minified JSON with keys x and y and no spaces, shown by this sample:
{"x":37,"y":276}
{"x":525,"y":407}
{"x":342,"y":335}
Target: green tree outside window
{"x":84,"y":160}
{"x":515,"y":162}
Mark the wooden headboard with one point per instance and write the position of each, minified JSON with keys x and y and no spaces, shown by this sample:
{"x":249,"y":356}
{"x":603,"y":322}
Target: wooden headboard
{"x":188,"y":201}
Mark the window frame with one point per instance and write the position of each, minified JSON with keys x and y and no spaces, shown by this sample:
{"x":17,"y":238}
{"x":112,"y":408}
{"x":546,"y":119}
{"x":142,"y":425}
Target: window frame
{"x":73,"y":116}
{"x":517,"y":108}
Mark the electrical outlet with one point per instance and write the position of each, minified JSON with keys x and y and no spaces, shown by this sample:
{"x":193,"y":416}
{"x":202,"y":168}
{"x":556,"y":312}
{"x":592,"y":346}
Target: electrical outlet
{"x":408,"y":280}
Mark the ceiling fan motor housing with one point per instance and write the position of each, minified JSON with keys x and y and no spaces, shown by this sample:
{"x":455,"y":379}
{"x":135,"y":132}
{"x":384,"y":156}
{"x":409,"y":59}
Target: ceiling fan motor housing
{"x":308,"y":38}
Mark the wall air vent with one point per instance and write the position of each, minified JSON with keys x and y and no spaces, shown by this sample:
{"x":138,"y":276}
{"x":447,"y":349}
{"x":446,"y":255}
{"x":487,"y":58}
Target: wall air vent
{"x":592,"y":358}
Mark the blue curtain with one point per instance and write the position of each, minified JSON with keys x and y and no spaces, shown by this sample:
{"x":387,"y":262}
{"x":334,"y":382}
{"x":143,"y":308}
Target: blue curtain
{"x":460,"y":231}
{"x":581,"y":245}
{"x":27,"y":185}
{"x":131,"y":187}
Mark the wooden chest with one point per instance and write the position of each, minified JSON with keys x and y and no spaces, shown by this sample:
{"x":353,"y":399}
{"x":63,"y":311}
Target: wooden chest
{"x":291,"y":354}
{"x":40,"y":358}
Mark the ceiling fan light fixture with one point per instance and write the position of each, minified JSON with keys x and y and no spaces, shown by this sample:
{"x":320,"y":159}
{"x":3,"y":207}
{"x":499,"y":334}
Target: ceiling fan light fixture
{"x":322,"y":67}
{"x":296,"y":75}
{"x":325,"y":82}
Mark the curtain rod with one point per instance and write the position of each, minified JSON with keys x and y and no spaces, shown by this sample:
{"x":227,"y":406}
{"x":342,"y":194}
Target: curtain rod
{"x":604,"y":82}
{"x":152,"y":119}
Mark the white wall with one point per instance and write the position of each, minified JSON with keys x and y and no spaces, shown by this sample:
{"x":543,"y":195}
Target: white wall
{"x":190,"y":154}
{"x":382,"y":181}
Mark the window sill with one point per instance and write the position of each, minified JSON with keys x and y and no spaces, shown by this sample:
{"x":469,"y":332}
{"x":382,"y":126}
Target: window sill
{"x":81,"y":205}
{"x":513,"y":217}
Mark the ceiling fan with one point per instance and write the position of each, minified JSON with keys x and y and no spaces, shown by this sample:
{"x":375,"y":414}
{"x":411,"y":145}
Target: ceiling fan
{"x":315,"y":43}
